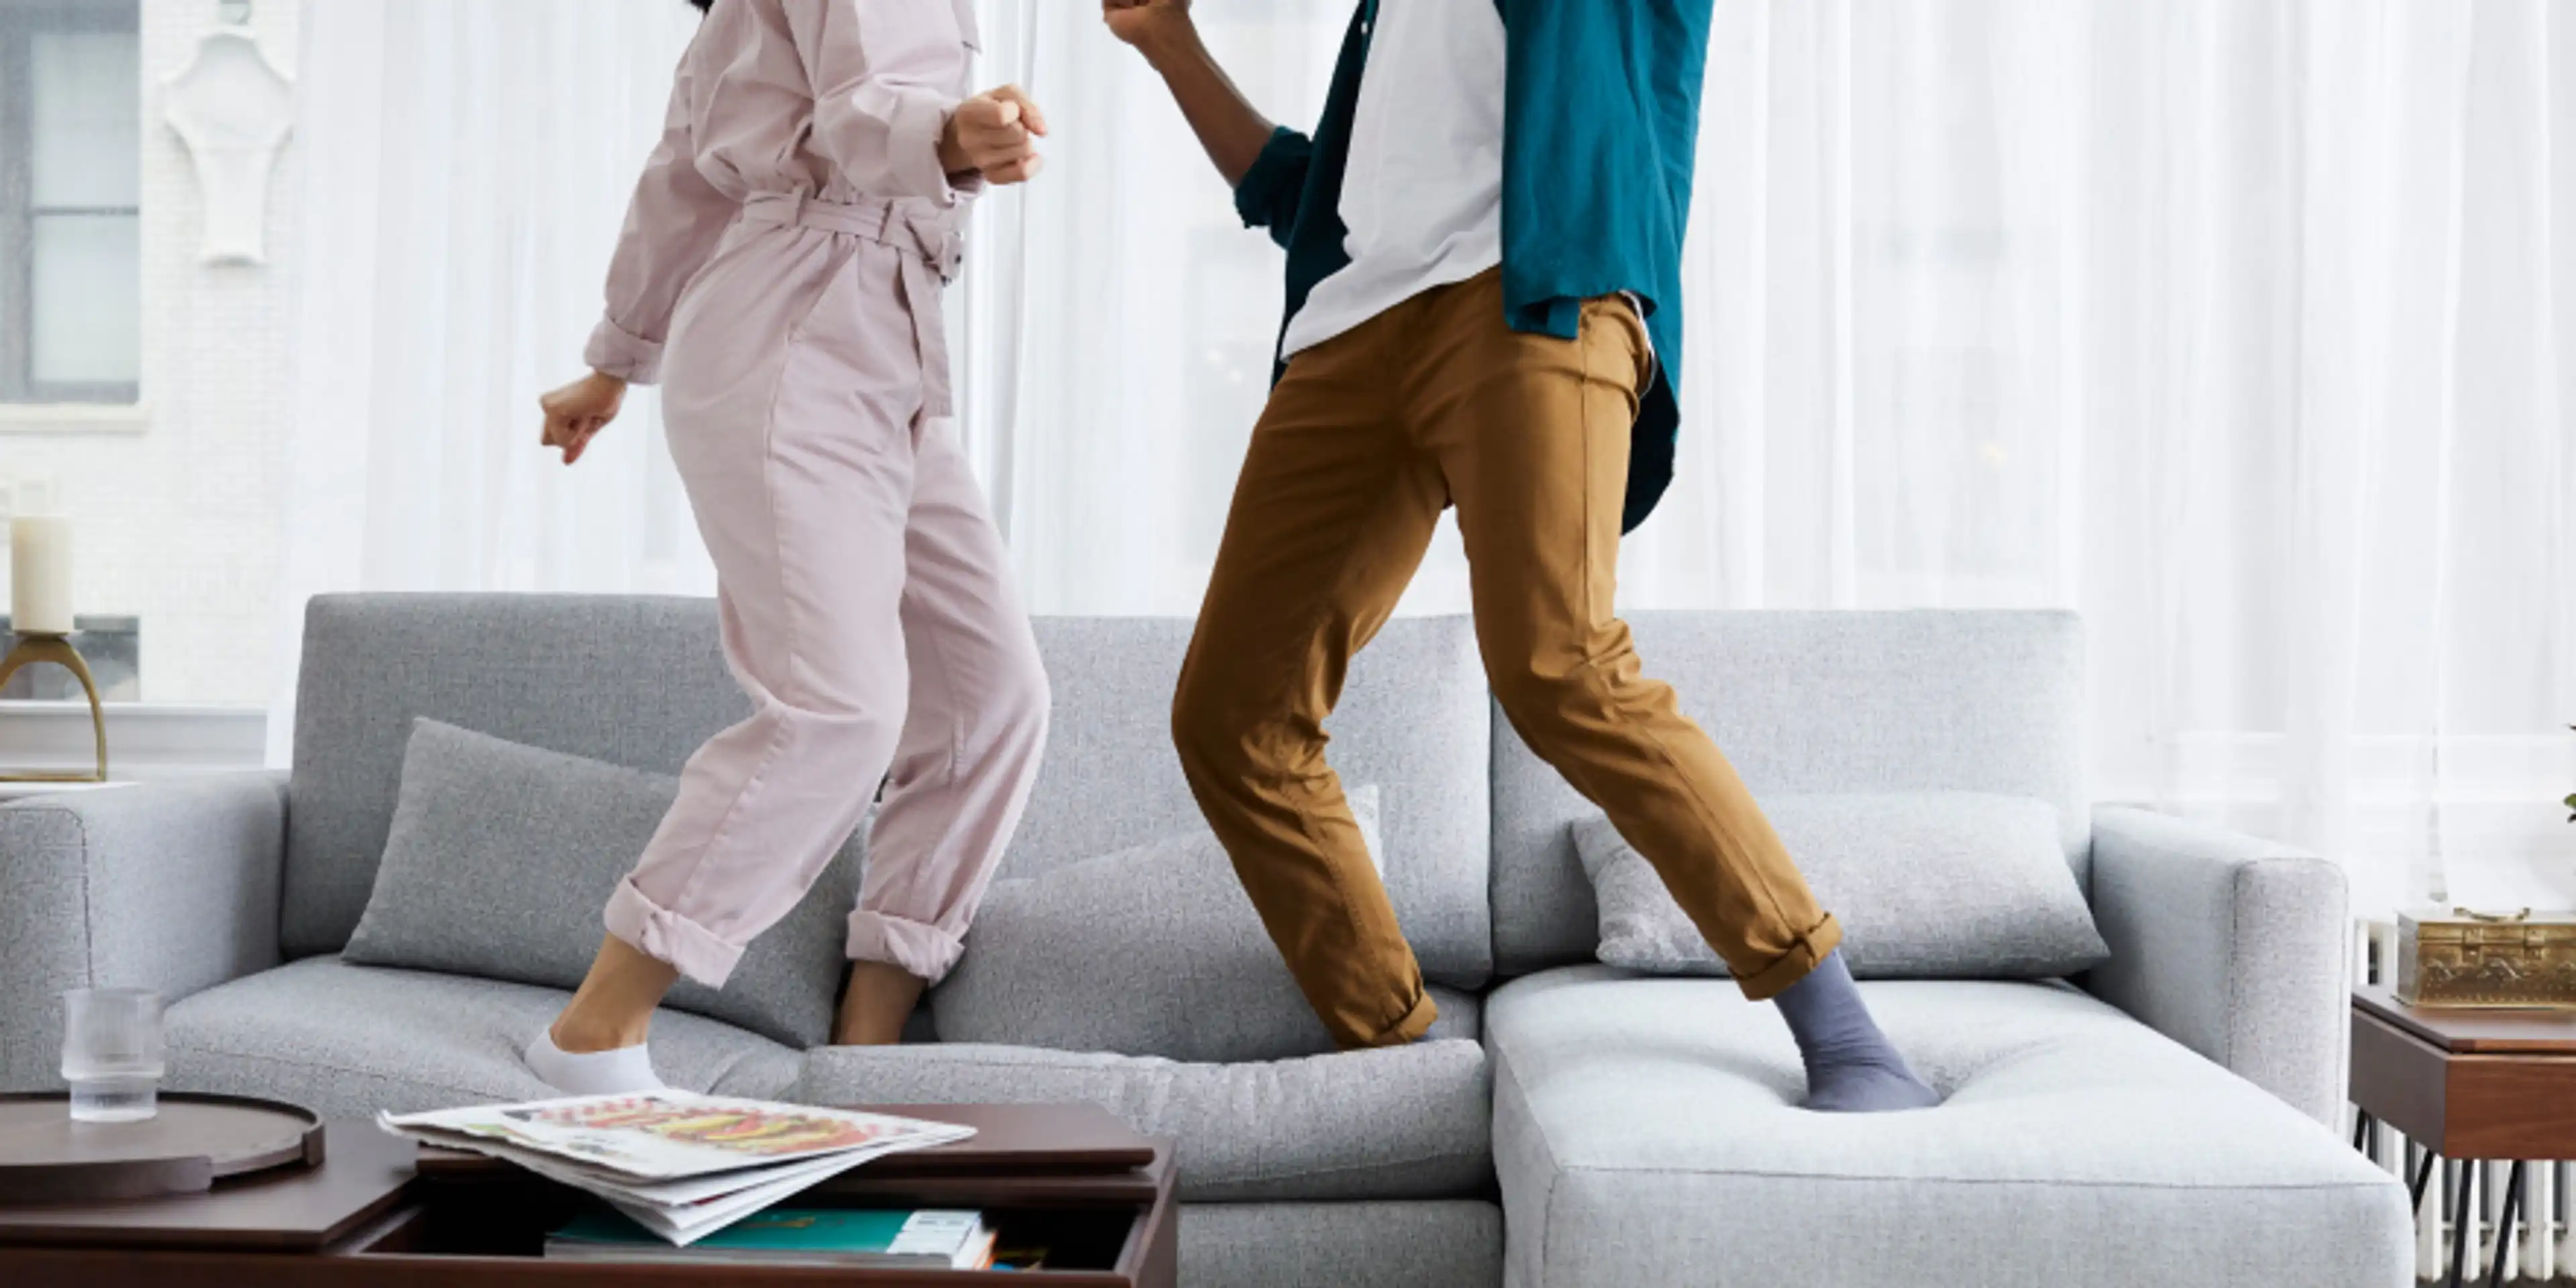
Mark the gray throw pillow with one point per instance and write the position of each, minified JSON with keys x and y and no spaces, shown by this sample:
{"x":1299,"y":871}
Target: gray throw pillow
{"x":501,"y":858}
{"x":1927,"y":885}
{"x":1154,"y":950}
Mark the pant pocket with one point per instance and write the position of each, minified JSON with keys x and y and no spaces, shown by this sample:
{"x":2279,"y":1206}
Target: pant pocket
{"x":854,"y":374}
{"x":1618,"y":321}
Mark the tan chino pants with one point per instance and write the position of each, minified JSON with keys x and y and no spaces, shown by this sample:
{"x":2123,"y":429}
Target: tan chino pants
{"x":1366,"y":439}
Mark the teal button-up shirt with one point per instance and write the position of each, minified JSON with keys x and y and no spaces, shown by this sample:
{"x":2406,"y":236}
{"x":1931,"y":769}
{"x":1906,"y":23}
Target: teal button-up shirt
{"x":1600,"y":118}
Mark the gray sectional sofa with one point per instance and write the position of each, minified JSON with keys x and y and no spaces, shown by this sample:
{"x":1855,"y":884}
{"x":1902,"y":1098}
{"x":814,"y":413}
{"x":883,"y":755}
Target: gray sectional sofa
{"x":2157,"y":1122}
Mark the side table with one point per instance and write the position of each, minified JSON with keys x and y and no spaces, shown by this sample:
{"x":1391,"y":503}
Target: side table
{"x":2470,"y":1086}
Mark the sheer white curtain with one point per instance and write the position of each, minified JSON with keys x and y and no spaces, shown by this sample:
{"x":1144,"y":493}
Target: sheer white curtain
{"x":468,"y":166}
{"x":2242,"y":326}
{"x":2245,"y":327}
{"x":1117,"y":321}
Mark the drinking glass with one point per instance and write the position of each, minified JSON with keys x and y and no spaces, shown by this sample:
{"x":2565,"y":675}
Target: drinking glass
{"x":112,"y":1053}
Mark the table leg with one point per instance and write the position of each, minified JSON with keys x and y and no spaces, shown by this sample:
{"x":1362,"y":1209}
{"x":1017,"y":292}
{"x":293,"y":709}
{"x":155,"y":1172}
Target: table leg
{"x":2504,"y":1224}
{"x":2361,"y":1122}
{"x":2423,"y":1176}
{"x":2462,"y":1233}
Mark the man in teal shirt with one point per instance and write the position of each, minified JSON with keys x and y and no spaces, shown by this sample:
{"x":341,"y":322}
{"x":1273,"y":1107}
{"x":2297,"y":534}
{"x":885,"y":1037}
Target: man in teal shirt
{"x":1484,"y":243}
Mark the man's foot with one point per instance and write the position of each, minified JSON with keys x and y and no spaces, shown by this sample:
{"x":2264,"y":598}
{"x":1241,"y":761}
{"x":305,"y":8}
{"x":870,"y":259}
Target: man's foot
{"x":1851,"y":1067}
{"x":616,"y":1071}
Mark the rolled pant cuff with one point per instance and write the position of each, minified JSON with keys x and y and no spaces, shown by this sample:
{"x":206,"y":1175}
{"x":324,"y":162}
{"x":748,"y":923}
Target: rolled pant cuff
{"x":1788,"y":968}
{"x":924,"y":950}
{"x":666,"y":936}
{"x":1407,"y":1028}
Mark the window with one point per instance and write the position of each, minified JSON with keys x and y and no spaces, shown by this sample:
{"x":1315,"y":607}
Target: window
{"x":71,"y":131}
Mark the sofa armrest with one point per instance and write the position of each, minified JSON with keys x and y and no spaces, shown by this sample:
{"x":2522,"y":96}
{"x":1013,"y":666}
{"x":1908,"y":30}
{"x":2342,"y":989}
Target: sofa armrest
{"x":171,"y":886}
{"x":2235,"y":947}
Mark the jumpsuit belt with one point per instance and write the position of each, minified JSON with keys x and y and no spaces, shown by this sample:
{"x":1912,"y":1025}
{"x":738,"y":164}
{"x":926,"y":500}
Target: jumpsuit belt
{"x":931,"y":250}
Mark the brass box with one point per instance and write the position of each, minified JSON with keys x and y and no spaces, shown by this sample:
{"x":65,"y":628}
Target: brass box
{"x":2463,"y":958}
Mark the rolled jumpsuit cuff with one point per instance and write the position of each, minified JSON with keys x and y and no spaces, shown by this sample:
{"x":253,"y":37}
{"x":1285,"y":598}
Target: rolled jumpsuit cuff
{"x":921,"y":949}
{"x":1788,"y":968}
{"x":615,"y":351}
{"x":666,"y":936}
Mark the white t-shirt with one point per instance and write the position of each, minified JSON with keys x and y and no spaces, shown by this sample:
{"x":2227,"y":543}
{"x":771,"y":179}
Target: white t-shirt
{"x":1423,"y":193}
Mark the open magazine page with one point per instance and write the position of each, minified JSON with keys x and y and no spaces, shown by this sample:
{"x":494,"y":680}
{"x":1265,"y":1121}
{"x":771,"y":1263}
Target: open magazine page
{"x":667,"y":1135}
{"x":684,"y":1192}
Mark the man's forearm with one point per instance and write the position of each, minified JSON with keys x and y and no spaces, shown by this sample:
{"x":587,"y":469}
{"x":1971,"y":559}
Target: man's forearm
{"x":1228,"y":126}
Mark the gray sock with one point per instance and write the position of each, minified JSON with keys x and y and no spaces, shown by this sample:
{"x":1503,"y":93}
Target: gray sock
{"x":1851,"y":1067}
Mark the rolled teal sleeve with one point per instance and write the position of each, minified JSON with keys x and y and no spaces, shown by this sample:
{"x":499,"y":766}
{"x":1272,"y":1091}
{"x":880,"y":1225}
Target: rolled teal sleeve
{"x":1271,"y":189}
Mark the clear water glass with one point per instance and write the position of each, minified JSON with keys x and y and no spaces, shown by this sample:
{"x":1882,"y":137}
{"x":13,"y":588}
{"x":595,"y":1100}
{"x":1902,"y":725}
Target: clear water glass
{"x":112,"y":1053}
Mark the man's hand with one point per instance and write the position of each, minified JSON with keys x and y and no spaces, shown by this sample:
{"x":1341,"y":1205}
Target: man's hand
{"x":991,"y":133}
{"x":1228,"y":127}
{"x":580,"y":410}
{"x":1141,"y":22}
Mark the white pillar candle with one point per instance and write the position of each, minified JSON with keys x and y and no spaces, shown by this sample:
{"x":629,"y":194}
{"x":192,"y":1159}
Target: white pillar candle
{"x":40,"y":574}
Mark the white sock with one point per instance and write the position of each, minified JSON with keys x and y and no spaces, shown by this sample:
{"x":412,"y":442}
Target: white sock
{"x":591,"y":1073}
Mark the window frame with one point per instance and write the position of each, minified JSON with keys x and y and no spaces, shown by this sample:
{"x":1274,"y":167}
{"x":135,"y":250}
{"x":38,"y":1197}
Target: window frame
{"x":20,"y":22}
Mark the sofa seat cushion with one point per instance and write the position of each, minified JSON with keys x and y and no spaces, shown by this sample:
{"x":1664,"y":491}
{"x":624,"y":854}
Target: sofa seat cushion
{"x":1647,"y":1132}
{"x":1439,"y":1243}
{"x":1397,"y":1122}
{"x":346,"y":1041}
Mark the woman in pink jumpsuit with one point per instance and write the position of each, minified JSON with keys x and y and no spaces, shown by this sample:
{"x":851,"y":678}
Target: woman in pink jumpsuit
{"x":780,"y":273}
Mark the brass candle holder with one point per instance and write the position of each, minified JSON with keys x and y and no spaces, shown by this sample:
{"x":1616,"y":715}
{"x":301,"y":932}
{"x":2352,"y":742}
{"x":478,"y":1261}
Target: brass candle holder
{"x":33,"y":648}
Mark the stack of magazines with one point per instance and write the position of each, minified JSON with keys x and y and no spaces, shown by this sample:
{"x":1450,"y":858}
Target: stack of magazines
{"x":679,"y":1164}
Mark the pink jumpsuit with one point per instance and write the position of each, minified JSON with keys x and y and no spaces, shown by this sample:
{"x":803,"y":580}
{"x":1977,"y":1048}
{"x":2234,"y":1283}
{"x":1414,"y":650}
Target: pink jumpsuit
{"x":787,"y":246}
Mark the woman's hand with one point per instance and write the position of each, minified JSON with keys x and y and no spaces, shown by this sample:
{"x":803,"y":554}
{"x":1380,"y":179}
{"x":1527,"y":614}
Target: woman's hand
{"x":990,"y":133}
{"x":1142,"y":22}
{"x":579,"y":410}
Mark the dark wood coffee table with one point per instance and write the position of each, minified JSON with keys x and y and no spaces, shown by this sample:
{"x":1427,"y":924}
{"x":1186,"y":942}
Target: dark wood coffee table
{"x":2470,"y":1086}
{"x":379,"y":1212}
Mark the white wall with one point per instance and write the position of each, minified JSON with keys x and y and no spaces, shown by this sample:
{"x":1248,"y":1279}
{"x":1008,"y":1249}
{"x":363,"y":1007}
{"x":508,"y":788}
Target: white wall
{"x":176,"y":508}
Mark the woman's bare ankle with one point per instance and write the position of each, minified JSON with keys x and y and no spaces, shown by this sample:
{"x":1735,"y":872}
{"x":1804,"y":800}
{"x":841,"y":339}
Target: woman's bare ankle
{"x":576,"y":1034}
{"x":867,"y":1026}
{"x":864,"y":1035}
{"x":614,"y":1006}
{"x":880,"y":997}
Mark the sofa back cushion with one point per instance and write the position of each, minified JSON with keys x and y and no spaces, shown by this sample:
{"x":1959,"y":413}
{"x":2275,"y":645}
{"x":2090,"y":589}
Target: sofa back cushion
{"x":631,"y":681}
{"x":501,"y":857}
{"x":1815,"y":702}
{"x":1413,"y":722}
{"x":1926,"y":885}
{"x":640,"y":682}
{"x":1154,"y":950}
